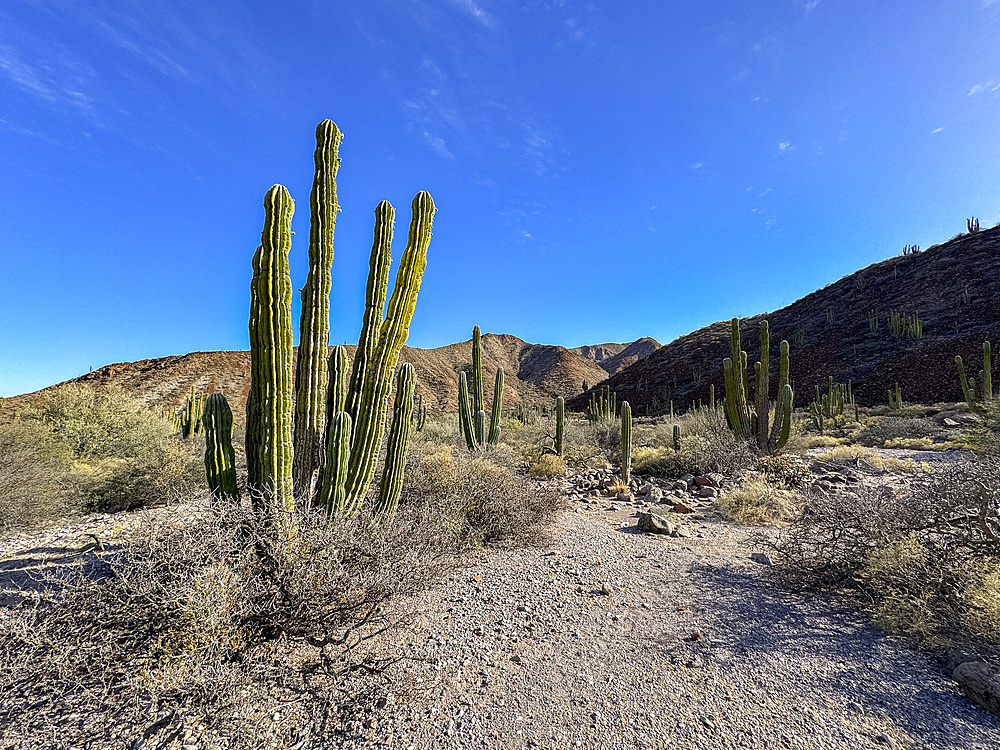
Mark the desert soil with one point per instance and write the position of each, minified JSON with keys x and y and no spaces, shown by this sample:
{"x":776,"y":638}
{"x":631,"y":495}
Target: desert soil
{"x":604,"y":637}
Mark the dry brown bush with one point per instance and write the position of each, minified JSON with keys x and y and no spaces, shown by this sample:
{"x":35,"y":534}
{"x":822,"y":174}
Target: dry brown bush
{"x":925,"y":555}
{"x":36,"y":484}
{"x":210,"y":626}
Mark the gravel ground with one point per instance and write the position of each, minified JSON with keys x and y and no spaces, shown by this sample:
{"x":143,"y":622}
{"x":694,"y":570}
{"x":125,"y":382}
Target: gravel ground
{"x":604,"y":637}
{"x":607,"y":638}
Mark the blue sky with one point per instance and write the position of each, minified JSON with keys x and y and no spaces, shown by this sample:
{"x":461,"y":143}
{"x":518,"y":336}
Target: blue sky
{"x":603,"y":170}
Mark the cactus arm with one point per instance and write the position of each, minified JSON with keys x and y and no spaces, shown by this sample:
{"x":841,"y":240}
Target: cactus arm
{"x":375,"y":296}
{"x":269,"y":405}
{"x":626,"y":438}
{"x":560,"y":424}
{"x":220,"y":458}
{"x":762,"y":376}
{"x":465,"y":413}
{"x":314,"y":322}
{"x":331,"y":495}
{"x":494,"y":435}
{"x":477,"y":381}
{"x":391,"y":485}
{"x":395,"y":328}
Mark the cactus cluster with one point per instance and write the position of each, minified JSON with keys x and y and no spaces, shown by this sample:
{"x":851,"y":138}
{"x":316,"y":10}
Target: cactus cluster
{"x":901,"y":324}
{"x":873,"y":321}
{"x":472,"y":412}
{"x":910,"y":249}
{"x":748,"y":419}
{"x":977,"y":393}
{"x":972,"y":225}
{"x":626,"y":443}
{"x":604,"y":405}
{"x":189,"y":418}
{"x":829,"y":408}
{"x":330,"y":455}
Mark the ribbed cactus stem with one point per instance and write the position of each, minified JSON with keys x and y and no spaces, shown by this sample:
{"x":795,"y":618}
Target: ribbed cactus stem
{"x":391,"y":485}
{"x":331,"y":496}
{"x":220,"y":459}
{"x":496,"y":410}
{"x":314,"y":322}
{"x":677,"y":437}
{"x":560,"y":424}
{"x":987,"y":378}
{"x":375,"y":296}
{"x":762,"y":376}
{"x":370,"y":422}
{"x":711,"y":396}
{"x":269,"y":404}
{"x":465,"y":419}
{"x":477,"y":382}
{"x":626,"y":442}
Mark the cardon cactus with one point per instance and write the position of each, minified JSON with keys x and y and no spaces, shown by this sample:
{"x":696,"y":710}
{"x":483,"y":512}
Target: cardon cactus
{"x":354,"y":402}
{"x":626,"y":442}
{"x":677,"y":437}
{"x":560,"y":424}
{"x":190,"y":416}
{"x":750,"y":420}
{"x":976,"y":396}
{"x":314,"y":322}
{"x":472,"y":414}
{"x":603,"y":405}
{"x":220,"y":459}
{"x":269,"y":403}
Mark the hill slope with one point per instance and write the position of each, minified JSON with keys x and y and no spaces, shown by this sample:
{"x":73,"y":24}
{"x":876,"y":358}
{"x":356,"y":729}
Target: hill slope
{"x":534,"y":372}
{"x":954,"y":287}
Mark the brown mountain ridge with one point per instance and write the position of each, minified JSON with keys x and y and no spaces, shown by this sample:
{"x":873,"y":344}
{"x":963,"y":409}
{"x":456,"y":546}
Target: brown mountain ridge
{"x":534,"y":372}
{"x":953,"y":287}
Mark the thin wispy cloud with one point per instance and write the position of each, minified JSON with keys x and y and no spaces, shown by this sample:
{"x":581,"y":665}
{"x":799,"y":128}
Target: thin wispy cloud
{"x":476,"y":11}
{"x":936,"y":131}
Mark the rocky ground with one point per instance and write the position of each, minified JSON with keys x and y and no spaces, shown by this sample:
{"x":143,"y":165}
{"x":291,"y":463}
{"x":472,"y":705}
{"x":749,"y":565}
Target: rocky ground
{"x":607,"y":637}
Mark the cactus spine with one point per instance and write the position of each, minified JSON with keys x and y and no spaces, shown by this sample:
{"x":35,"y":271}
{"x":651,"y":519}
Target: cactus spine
{"x":314,"y":322}
{"x":220,"y":459}
{"x":269,"y":404}
{"x":752,"y":423}
{"x":626,"y":442}
{"x":560,"y":424}
{"x":472,"y":414}
{"x":391,"y":485}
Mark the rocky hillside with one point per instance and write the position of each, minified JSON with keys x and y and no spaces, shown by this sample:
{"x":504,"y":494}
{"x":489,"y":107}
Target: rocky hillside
{"x":616,"y":357}
{"x":534,"y":372}
{"x":954,"y":288}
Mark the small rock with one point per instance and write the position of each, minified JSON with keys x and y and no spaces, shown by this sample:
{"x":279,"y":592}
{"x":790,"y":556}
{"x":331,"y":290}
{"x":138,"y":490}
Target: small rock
{"x":761,"y":558}
{"x":654,"y":523}
{"x":716,"y":479}
{"x":655,"y":495}
{"x":886,"y":739}
{"x":646,"y":489}
{"x":708,"y":492}
{"x":702,"y":482}
{"x":683,"y":508}
{"x":688,"y":480}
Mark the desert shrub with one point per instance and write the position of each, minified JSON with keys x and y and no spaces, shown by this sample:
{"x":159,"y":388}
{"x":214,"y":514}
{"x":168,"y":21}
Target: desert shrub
{"x":858,"y":456}
{"x":481,"y":497}
{"x":118,"y":455}
{"x":914,"y":444}
{"x":822,"y":441}
{"x":36,"y":484}
{"x":548,"y":466}
{"x":217,"y":621}
{"x":783,"y":471}
{"x":756,"y":499}
{"x":876,"y":433}
{"x":707,"y":445}
{"x":928,"y":557}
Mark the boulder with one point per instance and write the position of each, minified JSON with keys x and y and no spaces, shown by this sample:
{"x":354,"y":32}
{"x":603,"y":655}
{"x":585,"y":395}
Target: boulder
{"x":708,"y":492}
{"x":702,"y":482}
{"x":981,"y":684}
{"x":655,"y":523}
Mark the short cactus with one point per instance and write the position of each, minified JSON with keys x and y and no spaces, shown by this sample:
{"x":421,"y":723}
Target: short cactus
{"x":976,"y":397}
{"x":472,"y":414}
{"x":560,"y":424}
{"x":220,"y":458}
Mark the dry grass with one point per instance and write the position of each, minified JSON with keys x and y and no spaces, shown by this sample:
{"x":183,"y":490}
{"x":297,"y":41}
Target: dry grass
{"x":864,"y":458}
{"x":547,"y":467}
{"x":822,"y":441}
{"x":756,"y":500}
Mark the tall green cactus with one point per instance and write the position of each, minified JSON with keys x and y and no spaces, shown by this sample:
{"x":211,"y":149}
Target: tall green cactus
{"x":399,"y":437}
{"x":269,"y":404}
{"x":190,"y":416}
{"x":977,"y":396}
{"x":677,"y":437}
{"x":626,"y":442}
{"x":220,"y":458}
{"x":560,"y":424}
{"x":314,"y":322}
{"x":603,"y":405}
{"x":472,"y":414}
{"x":750,"y":420}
